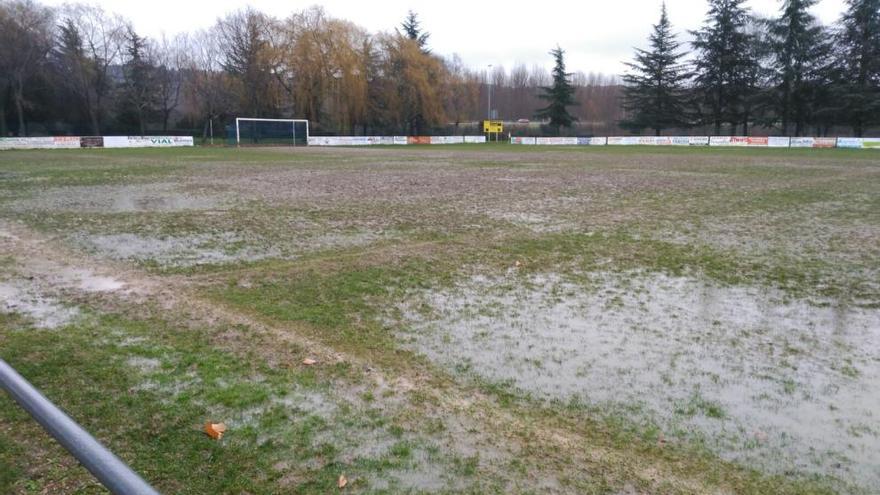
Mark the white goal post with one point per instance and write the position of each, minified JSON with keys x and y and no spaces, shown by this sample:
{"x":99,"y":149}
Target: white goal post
{"x":271,"y":131}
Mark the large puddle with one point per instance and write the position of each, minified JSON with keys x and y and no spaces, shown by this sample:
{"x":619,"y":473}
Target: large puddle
{"x":119,"y":199}
{"x":184,"y":250}
{"x":38,"y":297}
{"x":213,"y":248}
{"x":777,"y":384}
{"x":44,"y":311}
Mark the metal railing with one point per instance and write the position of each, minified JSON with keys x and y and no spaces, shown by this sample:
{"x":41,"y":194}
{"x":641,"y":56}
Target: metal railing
{"x":109,"y":469}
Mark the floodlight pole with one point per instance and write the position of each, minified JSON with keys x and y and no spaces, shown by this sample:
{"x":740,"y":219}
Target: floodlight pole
{"x":489,"y":83}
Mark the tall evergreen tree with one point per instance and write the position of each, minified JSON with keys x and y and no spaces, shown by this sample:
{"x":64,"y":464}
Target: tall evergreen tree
{"x":77,"y":72}
{"x":654,"y":91}
{"x":857,"y":65}
{"x":412,"y":29}
{"x":138,"y":72}
{"x":560,"y":96}
{"x":801,"y":51}
{"x":724,"y":66}
{"x":245,"y":51}
{"x":756,"y":79}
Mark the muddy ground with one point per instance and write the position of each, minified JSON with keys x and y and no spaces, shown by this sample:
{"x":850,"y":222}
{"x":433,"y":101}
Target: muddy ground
{"x":485,"y":319}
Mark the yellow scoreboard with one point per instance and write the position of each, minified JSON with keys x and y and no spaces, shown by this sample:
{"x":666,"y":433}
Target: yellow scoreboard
{"x":493,"y":126}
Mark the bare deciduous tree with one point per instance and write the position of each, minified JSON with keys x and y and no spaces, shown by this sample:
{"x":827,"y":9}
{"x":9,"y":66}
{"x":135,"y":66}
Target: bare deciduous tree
{"x":171,"y":59}
{"x":89,"y":48}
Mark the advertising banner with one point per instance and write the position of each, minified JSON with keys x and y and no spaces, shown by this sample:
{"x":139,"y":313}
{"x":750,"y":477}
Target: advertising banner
{"x":813,"y":142}
{"x":400,"y":140}
{"x":116,"y":142}
{"x":65,"y":142}
{"x":153,"y":141}
{"x":623,"y":140}
{"x":849,"y":142}
{"x":825,"y":142}
{"x":871,"y":143}
{"x":591,"y":141}
{"x":24,"y":143}
{"x":557,"y":141}
{"x":698,"y":141}
{"x":91,"y":142}
{"x":802,"y":142}
{"x":475,"y":139}
{"x":778,"y":142}
{"x":757,"y":141}
{"x":654,"y":141}
{"x":418,"y":140}
{"x":351,"y":140}
{"x":523,"y":140}
{"x":447,"y":139}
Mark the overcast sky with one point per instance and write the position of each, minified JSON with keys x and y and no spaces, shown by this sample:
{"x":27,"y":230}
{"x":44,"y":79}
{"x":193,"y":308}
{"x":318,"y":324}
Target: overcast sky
{"x":597,"y":35}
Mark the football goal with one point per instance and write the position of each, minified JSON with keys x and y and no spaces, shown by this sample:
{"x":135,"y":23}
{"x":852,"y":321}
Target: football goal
{"x":271,"y":132}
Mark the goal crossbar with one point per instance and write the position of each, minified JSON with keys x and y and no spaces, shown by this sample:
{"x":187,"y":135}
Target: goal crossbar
{"x":293,"y":122}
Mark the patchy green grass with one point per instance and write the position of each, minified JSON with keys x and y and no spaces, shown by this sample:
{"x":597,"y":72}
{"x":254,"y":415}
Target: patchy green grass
{"x":145,"y":389}
{"x":340,"y":238}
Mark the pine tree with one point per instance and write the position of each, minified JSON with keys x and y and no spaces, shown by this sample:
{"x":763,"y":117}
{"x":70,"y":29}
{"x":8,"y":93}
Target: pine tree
{"x":560,"y":96}
{"x":138,"y":72}
{"x":78,"y":72}
{"x":724,"y":66}
{"x":654,"y":91}
{"x":756,"y":77}
{"x":412,"y":29}
{"x":801,"y":53}
{"x":857,"y":67}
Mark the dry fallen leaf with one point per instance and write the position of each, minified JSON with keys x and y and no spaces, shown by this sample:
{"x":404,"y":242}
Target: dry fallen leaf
{"x":342,"y":481}
{"x":215,"y":430}
{"x":309,"y":361}
{"x":517,"y":264}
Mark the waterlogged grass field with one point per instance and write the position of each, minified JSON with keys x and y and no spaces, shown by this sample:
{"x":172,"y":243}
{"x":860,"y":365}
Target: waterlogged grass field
{"x":483,"y":319}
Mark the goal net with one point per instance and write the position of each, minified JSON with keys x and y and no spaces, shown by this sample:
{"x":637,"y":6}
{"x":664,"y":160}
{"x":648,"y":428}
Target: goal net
{"x":271,"y":132}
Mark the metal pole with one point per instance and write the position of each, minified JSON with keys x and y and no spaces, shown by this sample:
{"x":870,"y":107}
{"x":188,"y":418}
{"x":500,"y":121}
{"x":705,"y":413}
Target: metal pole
{"x":109,"y":469}
{"x":489,"y":83}
{"x":211,"y":125}
{"x":237,"y":134}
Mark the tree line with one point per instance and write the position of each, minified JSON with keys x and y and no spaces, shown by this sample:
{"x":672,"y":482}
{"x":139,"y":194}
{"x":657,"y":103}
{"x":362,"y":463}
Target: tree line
{"x":77,"y":69}
{"x":789,"y":74}
{"x":80,"y":70}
